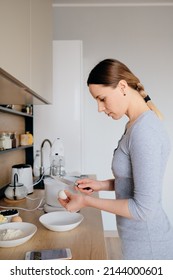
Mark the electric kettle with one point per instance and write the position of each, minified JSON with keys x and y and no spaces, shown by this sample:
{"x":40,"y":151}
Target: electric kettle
{"x":16,"y":191}
{"x":24,"y":172}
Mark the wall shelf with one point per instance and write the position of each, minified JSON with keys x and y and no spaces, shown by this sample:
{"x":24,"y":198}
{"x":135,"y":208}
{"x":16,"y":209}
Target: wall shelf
{"x":17,"y":148}
{"x":15,"y":112}
{"x":28,"y":127}
{"x":13,"y":92}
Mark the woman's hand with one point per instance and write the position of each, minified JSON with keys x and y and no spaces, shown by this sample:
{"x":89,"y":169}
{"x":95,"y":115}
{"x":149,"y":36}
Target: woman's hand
{"x":88,"y":186}
{"x":73,"y":202}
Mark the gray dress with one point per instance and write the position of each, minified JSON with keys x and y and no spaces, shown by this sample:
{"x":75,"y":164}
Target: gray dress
{"x":138,"y":166}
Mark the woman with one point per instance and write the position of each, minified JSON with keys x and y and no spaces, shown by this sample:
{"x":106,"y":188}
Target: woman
{"x":138,"y":165}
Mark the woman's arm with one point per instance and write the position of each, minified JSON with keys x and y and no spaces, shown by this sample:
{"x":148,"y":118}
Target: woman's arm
{"x":115,"y":206}
{"x":75,"y":202}
{"x":108,"y":185}
{"x":89,"y":185}
{"x":149,"y":150}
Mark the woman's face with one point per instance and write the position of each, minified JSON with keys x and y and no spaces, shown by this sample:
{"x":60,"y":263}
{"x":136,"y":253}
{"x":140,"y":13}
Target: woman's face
{"x":112,"y":101}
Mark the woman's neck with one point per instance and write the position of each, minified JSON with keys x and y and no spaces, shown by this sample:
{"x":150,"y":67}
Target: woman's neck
{"x":137,"y":106}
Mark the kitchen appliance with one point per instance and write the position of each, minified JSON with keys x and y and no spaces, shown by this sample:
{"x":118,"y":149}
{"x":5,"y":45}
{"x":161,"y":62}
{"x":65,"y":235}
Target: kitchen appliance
{"x":16,"y":191}
{"x":24,"y":172}
{"x":52,"y":188}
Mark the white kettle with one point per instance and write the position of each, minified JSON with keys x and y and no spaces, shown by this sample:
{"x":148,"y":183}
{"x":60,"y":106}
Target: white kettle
{"x":24,"y":172}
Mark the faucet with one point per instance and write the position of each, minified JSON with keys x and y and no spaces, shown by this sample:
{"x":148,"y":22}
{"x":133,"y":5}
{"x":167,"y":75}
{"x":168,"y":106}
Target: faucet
{"x":42,"y":145}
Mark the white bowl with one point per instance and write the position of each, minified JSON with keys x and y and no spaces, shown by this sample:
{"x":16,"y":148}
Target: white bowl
{"x":9,"y":214}
{"x":28,"y":230}
{"x":61,"y":221}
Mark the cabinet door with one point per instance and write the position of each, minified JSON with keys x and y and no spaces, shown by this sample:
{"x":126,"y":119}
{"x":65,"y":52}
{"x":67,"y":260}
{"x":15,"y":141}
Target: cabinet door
{"x":64,"y":117}
{"x":15,"y":37}
{"x":41,"y":48}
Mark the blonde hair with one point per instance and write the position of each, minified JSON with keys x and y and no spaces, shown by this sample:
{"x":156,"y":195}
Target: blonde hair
{"x":150,"y":104}
{"x":110,"y":71}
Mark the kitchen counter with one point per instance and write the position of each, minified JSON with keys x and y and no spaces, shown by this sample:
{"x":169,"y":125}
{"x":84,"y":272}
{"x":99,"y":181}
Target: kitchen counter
{"x":85,"y":241}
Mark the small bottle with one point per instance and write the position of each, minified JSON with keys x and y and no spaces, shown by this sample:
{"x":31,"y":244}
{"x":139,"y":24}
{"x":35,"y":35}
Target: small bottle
{"x":30,"y":109}
{"x":57,"y":152}
{"x":27,"y":109}
{"x":55,"y":166}
{"x":36,"y":164}
{"x":13,"y":139}
{"x":62,"y":166}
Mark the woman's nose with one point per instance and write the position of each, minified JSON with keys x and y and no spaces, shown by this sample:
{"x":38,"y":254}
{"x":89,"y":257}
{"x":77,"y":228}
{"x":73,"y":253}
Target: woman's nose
{"x":101,"y":107}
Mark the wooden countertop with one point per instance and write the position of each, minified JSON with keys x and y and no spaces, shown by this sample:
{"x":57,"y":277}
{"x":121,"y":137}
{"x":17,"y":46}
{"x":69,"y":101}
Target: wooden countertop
{"x":85,"y":241}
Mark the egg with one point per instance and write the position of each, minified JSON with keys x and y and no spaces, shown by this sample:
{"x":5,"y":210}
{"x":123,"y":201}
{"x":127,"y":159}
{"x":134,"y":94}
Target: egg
{"x":16,"y":219}
{"x":62,"y":195}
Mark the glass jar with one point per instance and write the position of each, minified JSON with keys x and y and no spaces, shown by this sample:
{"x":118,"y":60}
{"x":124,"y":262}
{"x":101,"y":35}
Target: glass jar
{"x":23,"y":139}
{"x":8,"y":142}
{"x":2,"y":141}
{"x":30,"y":138}
{"x":26,"y":139}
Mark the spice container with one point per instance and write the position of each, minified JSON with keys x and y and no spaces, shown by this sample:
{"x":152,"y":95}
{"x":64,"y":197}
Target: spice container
{"x":2,"y":141}
{"x":28,"y":109}
{"x":30,"y":138}
{"x":23,"y":139}
{"x":26,"y":139}
{"x":13,"y":139}
{"x":8,"y":142}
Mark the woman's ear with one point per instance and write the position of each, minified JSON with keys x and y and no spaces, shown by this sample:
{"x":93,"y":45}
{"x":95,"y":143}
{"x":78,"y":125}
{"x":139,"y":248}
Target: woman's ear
{"x":123,"y":86}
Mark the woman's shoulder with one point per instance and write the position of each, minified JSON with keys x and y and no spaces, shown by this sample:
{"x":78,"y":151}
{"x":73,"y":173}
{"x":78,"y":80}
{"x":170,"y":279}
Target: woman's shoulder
{"x":148,"y":121}
{"x":150,"y":128}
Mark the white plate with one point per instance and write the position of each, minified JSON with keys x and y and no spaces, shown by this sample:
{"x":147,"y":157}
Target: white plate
{"x":28,"y":231}
{"x":61,"y":221}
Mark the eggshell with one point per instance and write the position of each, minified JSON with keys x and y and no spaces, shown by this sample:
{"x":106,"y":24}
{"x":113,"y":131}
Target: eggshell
{"x":16,"y":219}
{"x":62,"y":195}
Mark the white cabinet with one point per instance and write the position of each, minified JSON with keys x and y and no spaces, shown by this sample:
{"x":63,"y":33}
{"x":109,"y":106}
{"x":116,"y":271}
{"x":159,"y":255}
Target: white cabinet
{"x":41,"y":48}
{"x":15,"y":38}
{"x":64,"y":118}
{"x":26,"y":43}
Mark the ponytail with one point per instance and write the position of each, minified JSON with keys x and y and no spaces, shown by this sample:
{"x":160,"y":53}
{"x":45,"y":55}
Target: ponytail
{"x":147,"y":99}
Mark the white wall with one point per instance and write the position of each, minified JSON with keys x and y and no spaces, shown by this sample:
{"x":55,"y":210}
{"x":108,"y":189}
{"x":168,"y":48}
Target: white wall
{"x":141,"y":37}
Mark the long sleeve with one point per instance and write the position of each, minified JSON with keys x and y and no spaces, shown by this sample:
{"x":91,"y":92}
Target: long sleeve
{"x":148,"y":157}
